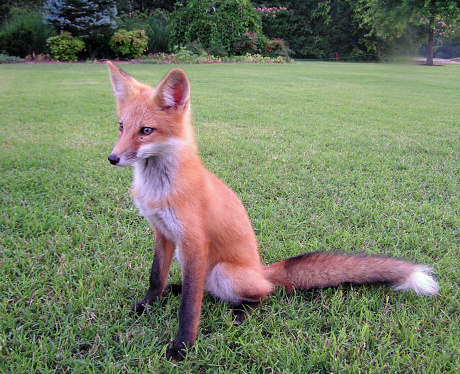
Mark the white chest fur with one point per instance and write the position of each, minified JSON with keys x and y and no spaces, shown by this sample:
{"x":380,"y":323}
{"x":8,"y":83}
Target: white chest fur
{"x":155,"y":170}
{"x":154,"y":174}
{"x":163,"y":219}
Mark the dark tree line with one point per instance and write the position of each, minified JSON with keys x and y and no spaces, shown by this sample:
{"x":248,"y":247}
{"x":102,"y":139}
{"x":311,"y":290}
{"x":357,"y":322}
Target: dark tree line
{"x":311,"y":28}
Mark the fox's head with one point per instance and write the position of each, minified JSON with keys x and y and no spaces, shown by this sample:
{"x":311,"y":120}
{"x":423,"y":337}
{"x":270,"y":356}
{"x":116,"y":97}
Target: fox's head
{"x":152,"y":121}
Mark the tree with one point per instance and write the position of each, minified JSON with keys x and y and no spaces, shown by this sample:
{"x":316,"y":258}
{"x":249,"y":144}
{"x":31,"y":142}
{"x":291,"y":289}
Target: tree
{"x":6,"y":6}
{"x":146,"y":6}
{"x":392,"y":17}
{"x":318,"y":28}
{"x":89,"y":19}
{"x":80,"y":17}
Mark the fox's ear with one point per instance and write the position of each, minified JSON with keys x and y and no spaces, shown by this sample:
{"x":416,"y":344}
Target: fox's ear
{"x":174,"y":89}
{"x":125,"y":87}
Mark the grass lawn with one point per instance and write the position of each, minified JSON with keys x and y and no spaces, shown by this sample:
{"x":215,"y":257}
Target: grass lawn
{"x":325,"y":156}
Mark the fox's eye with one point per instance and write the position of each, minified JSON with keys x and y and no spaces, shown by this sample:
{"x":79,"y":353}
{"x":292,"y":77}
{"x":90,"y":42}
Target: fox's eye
{"x":146,"y":130}
{"x":121,"y":126}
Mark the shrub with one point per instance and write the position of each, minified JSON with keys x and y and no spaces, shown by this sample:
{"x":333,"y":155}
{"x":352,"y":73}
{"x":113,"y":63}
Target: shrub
{"x":5,"y":59}
{"x":254,"y":43}
{"x":65,"y":47}
{"x":213,"y":23}
{"x":218,"y":50}
{"x":194,"y":47}
{"x":24,"y":33}
{"x":277,"y":47}
{"x":247,"y":43}
{"x":16,"y":42}
{"x":129,"y":44}
{"x":155,"y":25}
{"x":275,"y":20}
{"x":38,"y":58}
{"x":92,"y":21}
{"x":158,"y":31}
{"x":183,"y":55}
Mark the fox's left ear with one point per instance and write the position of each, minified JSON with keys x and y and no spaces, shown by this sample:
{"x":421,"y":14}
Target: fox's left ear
{"x":174,"y":89}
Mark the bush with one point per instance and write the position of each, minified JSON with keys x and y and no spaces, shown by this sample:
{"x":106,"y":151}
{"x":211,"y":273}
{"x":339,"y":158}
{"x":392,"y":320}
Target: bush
{"x":16,"y":42}
{"x":277,"y":47}
{"x":39,"y":58}
{"x":92,"y":21}
{"x":218,"y":50}
{"x":5,"y":59}
{"x":257,"y":44}
{"x":129,"y":44}
{"x":249,"y":42}
{"x":275,"y":20}
{"x":158,"y":31}
{"x":213,"y":23}
{"x":184,"y":56}
{"x":65,"y":47}
{"x":155,"y":25}
{"x":24,"y":33}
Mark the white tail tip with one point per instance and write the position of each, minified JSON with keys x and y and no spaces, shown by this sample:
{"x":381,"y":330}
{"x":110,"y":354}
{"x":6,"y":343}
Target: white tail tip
{"x":419,"y":281}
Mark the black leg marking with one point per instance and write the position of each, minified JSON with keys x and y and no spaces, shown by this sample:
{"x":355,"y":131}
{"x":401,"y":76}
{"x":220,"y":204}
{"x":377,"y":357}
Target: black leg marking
{"x":175,"y":289}
{"x":164,"y":251}
{"x":190,"y":307}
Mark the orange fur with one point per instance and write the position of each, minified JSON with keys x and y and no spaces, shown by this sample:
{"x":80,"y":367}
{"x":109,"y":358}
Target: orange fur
{"x":196,"y":215}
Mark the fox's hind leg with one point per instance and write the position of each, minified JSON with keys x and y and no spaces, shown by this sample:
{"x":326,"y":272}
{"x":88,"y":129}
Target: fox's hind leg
{"x":242,"y":286}
{"x":175,"y":289}
{"x":242,"y":311}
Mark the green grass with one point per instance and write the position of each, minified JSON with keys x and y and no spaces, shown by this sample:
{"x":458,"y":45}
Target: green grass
{"x":325,"y":156}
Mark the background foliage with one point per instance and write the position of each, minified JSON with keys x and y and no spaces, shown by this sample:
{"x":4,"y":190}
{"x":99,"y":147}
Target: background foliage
{"x":93,"y":21}
{"x":129,"y":44}
{"x":23,"y":32}
{"x":319,"y":28}
{"x":308,"y":29}
{"x":65,"y":47}
{"x":154,"y":22}
{"x":213,"y":23}
{"x":430,"y":18}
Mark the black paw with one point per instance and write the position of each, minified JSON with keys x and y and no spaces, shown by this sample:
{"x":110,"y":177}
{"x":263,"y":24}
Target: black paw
{"x":241,"y":312}
{"x":240,"y":316}
{"x":139,"y":307}
{"x":175,"y":354}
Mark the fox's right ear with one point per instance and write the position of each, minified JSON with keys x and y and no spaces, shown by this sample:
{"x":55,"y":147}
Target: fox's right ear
{"x":124,"y":85}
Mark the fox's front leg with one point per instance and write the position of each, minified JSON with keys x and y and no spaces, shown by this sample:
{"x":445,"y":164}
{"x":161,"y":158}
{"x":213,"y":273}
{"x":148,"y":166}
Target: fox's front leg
{"x":162,"y":258}
{"x":193,"y":274}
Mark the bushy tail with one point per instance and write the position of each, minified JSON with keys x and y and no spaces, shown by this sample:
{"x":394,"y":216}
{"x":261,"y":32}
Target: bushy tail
{"x":321,"y":270}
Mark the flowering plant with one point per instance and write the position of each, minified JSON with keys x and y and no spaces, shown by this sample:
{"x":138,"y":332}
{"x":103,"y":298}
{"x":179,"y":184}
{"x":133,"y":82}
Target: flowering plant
{"x":272,"y":11}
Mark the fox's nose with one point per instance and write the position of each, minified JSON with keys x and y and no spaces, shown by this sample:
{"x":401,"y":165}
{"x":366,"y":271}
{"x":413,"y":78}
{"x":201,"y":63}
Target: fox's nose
{"x":114,"y":159}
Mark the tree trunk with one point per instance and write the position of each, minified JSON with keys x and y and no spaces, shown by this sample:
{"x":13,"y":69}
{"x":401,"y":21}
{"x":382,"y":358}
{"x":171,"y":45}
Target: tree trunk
{"x":429,"y":55}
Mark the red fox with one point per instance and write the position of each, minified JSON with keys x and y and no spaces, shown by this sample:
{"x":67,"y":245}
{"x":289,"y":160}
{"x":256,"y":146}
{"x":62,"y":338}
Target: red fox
{"x":200,"y":221}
